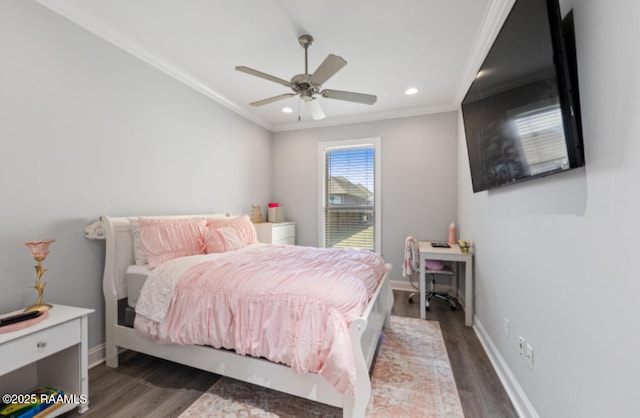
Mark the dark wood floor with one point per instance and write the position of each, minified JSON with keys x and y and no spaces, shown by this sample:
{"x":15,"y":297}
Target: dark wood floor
{"x":144,"y":386}
{"x":481,"y":393}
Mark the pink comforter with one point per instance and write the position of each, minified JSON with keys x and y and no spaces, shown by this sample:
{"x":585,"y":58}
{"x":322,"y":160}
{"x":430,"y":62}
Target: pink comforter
{"x":289,"y":304}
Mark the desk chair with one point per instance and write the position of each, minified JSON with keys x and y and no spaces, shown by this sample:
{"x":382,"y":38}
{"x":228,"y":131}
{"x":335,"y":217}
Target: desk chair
{"x":431,"y":292}
{"x":411,"y":267}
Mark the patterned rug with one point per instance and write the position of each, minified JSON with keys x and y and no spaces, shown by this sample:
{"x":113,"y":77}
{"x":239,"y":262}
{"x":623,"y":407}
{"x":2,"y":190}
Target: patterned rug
{"x":411,"y":377}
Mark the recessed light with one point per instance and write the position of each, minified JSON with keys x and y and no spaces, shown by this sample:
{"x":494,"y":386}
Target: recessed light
{"x":411,"y":91}
{"x":287,"y":110}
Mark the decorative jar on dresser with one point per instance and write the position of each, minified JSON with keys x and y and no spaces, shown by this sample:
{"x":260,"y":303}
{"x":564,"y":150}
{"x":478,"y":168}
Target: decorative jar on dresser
{"x":50,"y":353}
{"x":276,"y":232}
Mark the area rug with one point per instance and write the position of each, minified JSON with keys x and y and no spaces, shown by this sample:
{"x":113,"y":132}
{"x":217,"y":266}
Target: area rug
{"x":411,"y":377}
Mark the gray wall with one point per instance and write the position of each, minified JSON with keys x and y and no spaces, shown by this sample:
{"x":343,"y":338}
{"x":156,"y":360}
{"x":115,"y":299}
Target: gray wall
{"x":555,"y":256}
{"x":419,"y":177}
{"x":87,"y":130}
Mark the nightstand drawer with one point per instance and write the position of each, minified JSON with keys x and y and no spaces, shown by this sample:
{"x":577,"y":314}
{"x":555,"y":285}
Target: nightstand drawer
{"x":282,"y":232}
{"x":38,"y":345}
{"x":288,"y":241}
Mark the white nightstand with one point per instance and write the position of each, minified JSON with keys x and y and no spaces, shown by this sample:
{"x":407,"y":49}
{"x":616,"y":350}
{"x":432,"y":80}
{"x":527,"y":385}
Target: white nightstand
{"x":50,"y":353}
{"x":276,"y":233}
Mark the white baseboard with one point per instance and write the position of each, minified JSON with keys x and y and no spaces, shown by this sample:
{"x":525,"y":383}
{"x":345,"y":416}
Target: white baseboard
{"x":96,"y":355}
{"x":516,"y":394}
{"x":401,"y":285}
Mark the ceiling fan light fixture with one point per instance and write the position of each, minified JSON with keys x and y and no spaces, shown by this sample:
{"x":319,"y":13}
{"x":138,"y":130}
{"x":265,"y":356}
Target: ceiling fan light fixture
{"x":287,"y":110}
{"x":314,"y":109}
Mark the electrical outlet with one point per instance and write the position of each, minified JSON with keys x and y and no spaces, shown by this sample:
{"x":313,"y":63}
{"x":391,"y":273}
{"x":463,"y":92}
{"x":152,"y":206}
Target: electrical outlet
{"x":506,"y":327}
{"x":521,"y":346}
{"x":528,"y":356}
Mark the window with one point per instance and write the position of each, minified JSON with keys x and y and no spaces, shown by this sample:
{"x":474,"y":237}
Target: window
{"x":350,"y":194}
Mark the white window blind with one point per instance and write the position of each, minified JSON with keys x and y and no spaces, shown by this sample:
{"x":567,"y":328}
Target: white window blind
{"x":542,"y":136}
{"x":349,"y":200}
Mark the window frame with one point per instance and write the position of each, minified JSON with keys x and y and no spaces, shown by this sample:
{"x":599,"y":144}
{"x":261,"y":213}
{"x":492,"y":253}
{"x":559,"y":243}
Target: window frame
{"x":323,"y":148}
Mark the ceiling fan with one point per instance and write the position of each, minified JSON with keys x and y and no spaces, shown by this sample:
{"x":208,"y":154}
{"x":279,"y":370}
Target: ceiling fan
{"x":307,"y":85}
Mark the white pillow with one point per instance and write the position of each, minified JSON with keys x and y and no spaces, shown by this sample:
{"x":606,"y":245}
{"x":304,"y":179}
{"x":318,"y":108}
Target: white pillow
{"x":138,"y":252}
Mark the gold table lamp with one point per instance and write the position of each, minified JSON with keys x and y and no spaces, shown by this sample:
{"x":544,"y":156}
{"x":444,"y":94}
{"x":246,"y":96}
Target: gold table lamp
{"x":39,"y":251}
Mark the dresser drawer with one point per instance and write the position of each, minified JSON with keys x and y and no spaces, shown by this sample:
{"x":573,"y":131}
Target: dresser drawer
{"x":38,"y":345}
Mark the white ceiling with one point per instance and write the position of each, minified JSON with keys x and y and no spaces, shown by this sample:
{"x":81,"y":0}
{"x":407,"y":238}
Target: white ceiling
{"x":389,"y":45}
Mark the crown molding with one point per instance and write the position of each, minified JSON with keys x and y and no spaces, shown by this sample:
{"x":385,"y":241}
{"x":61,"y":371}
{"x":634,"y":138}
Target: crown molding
{"x":494,"y":17}
{"x":107,"y":32}
{"x":369,"y":117}
{"x":492,"y":22}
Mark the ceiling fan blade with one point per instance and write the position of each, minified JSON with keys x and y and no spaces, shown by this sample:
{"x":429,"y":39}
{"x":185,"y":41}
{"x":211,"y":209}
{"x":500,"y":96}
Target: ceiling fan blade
{"x":272,"y":99}
{"x":331,"y":65}
{"x":349,"y":96}
{"x":315,"y":110}
{"x":260,"y":74}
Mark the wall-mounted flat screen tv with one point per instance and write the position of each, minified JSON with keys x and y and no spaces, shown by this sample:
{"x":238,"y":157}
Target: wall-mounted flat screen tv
{"x":522,"y":112}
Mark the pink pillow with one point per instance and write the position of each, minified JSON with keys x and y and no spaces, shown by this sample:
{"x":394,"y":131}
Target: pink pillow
{"x":433,"y":265}
{"x":222,"y":239}
{"x":165,"y":239}
{"x":242,"y":224}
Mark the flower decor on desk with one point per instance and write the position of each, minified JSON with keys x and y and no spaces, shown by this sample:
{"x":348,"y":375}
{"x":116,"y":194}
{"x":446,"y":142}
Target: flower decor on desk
{"x":39,"y":251}
{"x":464,"y":245}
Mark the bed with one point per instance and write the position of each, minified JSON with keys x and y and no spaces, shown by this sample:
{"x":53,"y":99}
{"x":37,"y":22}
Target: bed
{"x":363,"y":331}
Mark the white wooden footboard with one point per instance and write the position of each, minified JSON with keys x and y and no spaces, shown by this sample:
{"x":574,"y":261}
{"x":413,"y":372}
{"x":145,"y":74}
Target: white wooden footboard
{"x":365,"y":332}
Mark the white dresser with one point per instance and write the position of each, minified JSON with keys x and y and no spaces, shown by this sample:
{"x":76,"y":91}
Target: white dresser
{"x":51,"y":353}
{"x":277,"y":233}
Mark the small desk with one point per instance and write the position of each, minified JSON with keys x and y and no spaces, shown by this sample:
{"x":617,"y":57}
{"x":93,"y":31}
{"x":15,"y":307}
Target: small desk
{"x":427,"y":252}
